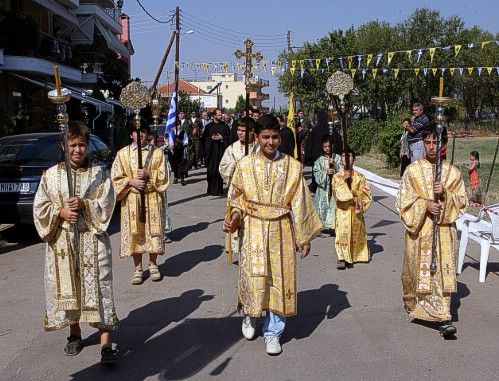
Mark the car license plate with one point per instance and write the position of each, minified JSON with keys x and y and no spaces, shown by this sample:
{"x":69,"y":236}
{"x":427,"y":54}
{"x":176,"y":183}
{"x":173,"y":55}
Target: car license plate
{"x":14,"y":187}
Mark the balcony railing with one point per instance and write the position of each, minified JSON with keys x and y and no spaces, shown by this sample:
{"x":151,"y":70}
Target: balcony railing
{"x":108,"y":6}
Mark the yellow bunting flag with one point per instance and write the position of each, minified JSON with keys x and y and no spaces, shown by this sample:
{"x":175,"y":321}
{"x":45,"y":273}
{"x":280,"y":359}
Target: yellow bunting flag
{"x":434,"y":71}
{"x":205,"y":66}
{"x":396,"y":72}
{"x":452,"y":70}
{"x":176,"y":64}
{"x":350,"y":59}
{"x":317,"y":63}
{"x":226,"y":67}
{"x":293,"y":63}
{"x":369,"y":59}
{"x":293,"y":69}
{"x":302,"y":64}
{"x":353,"y":71}
{"x":273,"y":69}
{"x":416,"y":71}
{"x":265,"y":67}
{"x":409,"y":55}
{"x":470,"y":70}
{"x":432,"y":53}
{"x":457,"y":49}
{"x":375,"y":71}
{"x":485,"y":43}
{"x":489,"y":70}
{"x":390,"y":57}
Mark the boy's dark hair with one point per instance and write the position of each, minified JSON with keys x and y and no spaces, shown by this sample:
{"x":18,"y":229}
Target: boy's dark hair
{"x":476,"y":155}
{"x":144,"y":126}
{"x":78,"y":129}
{"x":327,"y":139}
{"x":267,"y":122}
{"x":255,"y":110}
{"x":246,"y":122}
{"x":432,"y":130}
{"x":350,"y":151}
{"x":406,"y":120}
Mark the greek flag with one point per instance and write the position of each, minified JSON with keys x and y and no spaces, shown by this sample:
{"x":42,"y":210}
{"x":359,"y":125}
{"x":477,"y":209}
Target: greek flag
{"x":172,"y":114}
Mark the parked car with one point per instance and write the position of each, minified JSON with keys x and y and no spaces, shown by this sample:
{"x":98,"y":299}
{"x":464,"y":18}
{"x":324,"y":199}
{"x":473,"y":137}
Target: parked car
{"x":23,"y":158}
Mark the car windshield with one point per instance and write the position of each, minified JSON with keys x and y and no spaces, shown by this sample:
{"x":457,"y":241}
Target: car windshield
{"x":30,"y":151}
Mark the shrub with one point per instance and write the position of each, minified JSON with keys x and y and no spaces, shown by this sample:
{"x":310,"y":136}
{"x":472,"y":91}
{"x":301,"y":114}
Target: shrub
{"x":361,"y":135}
{"x":388,"y":141}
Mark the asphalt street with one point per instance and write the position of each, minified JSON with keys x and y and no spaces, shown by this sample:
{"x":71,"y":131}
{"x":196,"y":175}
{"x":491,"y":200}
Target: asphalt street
{"x":351,"y":324}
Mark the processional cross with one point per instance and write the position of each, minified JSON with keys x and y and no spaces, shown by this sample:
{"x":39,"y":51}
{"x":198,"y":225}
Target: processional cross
{"x":248,"y":73}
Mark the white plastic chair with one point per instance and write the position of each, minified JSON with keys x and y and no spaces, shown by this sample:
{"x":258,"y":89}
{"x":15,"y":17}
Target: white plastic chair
{"x":488,"y":235}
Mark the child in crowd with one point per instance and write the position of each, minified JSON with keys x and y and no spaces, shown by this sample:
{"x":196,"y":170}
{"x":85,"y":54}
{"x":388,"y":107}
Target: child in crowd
{"x":473,"y":166}
{"x":324,"y":169}
{"x":353,"y":198}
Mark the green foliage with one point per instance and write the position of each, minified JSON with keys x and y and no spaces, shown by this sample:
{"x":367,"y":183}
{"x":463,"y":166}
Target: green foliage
{"x":386,"y":95}
{"x":388,"y":141}
{"x":240,"y":104}
{"x":362,"y":135}
{"x":188,"y":105}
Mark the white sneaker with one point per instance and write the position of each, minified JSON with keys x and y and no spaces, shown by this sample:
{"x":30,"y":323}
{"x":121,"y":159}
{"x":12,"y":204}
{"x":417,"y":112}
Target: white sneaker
{"x":273,"y":346}
{"x":248,"y":328}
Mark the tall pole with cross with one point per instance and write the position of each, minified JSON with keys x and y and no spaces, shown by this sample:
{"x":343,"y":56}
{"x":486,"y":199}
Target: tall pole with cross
{"x":248,"y":74}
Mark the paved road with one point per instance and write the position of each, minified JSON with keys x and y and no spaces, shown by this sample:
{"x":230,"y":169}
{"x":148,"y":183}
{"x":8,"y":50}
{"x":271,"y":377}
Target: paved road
{"x":351,"y":325}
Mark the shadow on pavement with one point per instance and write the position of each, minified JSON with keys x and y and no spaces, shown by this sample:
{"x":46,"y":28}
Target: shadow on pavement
{"x":462,"y":292}
{"x":17,"y":237}
{"x":180,"y":233}
{"x":176,"y":354}
{"x":374,"y":248}
{"x":492,"y":267}
{"x":382,"y":223}
{"x":187,"y":260}
{"x":187,"y":199}
{"x":313,"y":307}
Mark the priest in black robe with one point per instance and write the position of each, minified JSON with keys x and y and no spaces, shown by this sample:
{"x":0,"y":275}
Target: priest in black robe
{"x":288,"y":142}
{"x":216,"y":138}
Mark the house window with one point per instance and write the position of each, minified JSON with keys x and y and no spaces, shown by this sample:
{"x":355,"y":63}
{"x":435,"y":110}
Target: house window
{"x":208,"y":87}
{"x":226,"y":86}
{"x":226,"y":101}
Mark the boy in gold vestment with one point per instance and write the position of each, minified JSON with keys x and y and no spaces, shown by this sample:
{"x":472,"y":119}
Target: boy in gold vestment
{"x":141,"y":237}
{"x":268,"y":196}
{"x":352,"y":202}
{"x":427,"y":296}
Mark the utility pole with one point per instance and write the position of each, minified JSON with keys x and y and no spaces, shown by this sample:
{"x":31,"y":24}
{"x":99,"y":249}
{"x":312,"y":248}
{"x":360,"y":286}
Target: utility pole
{"x":290,"y":50}
{"x":177,"y":59}
{"x":248,"y":73}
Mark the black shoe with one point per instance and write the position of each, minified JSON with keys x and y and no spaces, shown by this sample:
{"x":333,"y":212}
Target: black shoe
{"x":447,"y":329}
{"x":341,"y":265}
{"x":73,"y":346}
{"x":108,"y":356}
{"x":332,"y":233}
{"x":182,"y":182}
{"x":175,"y":181}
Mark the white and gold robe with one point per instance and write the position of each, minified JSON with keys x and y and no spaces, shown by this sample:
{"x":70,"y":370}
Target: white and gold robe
{"x":138,"y":237}
{"x":278,"y":215}
{"x":232,"y":155}
{"x":428,"y":296}
{"x":78,"y":282}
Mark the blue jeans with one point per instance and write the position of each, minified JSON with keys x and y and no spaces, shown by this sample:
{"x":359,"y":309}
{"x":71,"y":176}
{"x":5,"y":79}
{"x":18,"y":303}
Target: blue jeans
{"x":274,"y":325}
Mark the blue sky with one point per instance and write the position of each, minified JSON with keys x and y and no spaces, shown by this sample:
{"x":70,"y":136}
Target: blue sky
{"x":218,"y":25}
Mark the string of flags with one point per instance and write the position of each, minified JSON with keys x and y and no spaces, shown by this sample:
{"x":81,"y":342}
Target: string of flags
{"x":361,"y":64}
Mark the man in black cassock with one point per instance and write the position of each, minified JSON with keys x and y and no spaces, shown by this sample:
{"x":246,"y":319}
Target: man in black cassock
{"x":287,"y":138}
{"x":216,"y":137}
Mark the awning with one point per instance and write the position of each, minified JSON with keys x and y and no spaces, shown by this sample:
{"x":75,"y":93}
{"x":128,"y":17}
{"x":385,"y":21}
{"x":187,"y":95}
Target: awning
{"x":112,"y":40}
{"x":76,"y":92}
{"x":59,"y":10}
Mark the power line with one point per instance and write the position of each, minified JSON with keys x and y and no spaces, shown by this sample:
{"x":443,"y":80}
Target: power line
{"x":152,"y":17}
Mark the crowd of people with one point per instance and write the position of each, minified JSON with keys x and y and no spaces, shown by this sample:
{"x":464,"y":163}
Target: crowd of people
{"x":270,"y":215}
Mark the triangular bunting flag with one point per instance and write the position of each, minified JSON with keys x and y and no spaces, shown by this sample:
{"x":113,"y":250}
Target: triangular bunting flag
{"x":409,"y":55}
{"x":432,"y":53}
{"x":396,"y":72}
{"x":470,"y":70}
{"x":375,"y":71}
{"x":479,"y":69}
{"x":420,"y":53}
{"x":390,"y":57}
{"x":489,"y":70}
{"x":457,"y":49}
{"x":293,"y":63}
{"x":416,"y":71}
{"x":425,"y":71}
{"x":364,"y":71}
{"x":327,"y":62}
{"x":369,"y":59}
{"x":434,"y":70}
{"x":317,"y":63}
{"x":349,"y":60}
{"x":442,"y":70}
{"x":461,"y":70}
{"x":302,"y":71}
{"x":359,"y":60}
{"x":353,"y":71}
{"x":272,"y":70}
{"x":341,"y":63}
{"x":379,"y":56}
{"x":292,"y":70}
{"x":302,"y":64}
{"x":485,"y":43}
{"x":452,"y":70}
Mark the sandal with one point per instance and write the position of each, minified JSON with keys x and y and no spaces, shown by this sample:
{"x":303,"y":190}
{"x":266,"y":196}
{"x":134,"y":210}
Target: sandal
{"x":154,"y":273}
{"x":108,"y":356}
{"x":137,"y":277}
{"x":73,"y":346}
{"x":447,"y":330}
{"x":341,"y":265}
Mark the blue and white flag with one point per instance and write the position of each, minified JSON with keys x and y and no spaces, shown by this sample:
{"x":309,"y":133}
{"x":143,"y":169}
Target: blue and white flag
{"x":172,"y":114}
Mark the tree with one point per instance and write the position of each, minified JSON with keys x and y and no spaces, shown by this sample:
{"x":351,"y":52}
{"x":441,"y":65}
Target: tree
{"x":186,"y":104}
{"x":240,"y":104}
